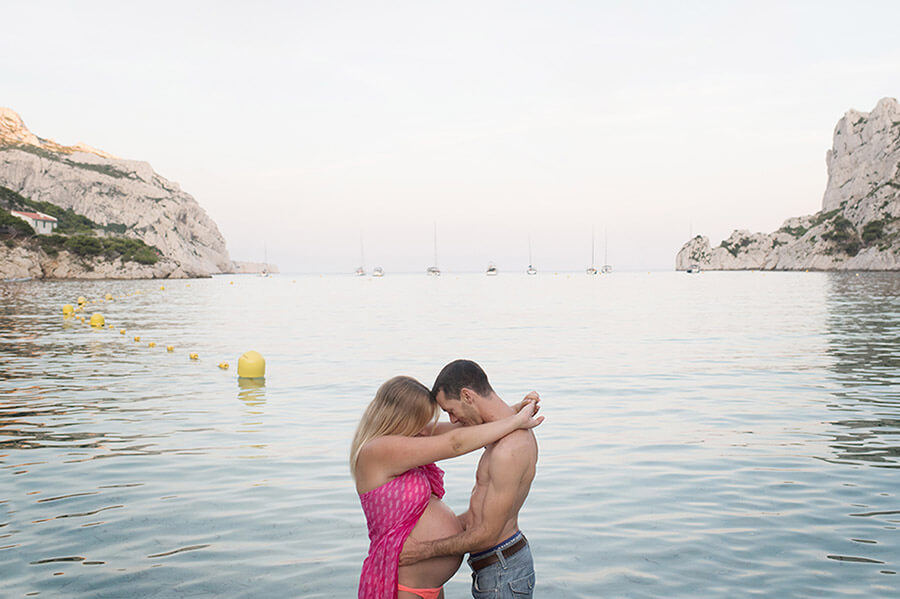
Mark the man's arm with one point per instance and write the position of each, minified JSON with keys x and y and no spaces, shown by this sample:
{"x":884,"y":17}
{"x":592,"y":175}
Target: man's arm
{"x":486,"y":521}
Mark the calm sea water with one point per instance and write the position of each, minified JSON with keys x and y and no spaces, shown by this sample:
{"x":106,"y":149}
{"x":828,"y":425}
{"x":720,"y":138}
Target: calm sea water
{"x":713,"y":435}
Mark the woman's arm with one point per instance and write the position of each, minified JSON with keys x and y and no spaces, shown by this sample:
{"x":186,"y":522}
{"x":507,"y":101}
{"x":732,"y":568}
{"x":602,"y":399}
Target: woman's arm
{"x":445,"y":427}
{"x":393,"y":455}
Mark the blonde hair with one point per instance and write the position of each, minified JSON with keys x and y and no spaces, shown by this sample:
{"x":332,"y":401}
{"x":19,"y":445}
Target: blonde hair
{"x":402,"y":406}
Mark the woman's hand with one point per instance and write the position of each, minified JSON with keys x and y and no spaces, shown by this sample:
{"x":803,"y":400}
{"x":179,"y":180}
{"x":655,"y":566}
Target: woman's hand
{"x":525,"y":416}
{"x":532,"y":396}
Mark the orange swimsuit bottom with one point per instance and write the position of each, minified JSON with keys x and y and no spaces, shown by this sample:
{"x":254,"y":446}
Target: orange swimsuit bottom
{"x":423,"y":593}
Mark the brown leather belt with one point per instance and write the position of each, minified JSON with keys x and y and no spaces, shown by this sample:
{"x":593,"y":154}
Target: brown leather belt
{"x":493,"y":558}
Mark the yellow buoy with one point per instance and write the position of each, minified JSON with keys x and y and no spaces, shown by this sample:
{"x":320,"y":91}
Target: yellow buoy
{"x":251,"y":365}
{"x":231,"y":282}
{"x":170,"y":348}
{"x":137,"y":338}
{"x":223,"y":365}
{"x":81,"y":300}
{"x":97,"y":320}
{"x":121,"y":331}
{"x":68,"y":310}
{"x":151,"y":344}
{"x":193,"y":356}
{"x":109,"y":296}
{"x":162,"y":287}
{"x":109,"y":326}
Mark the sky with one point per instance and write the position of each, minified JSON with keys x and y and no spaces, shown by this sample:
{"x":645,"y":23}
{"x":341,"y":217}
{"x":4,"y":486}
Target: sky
{"x":303,"y":128}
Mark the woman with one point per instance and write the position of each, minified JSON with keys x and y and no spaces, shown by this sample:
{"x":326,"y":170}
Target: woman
{"x":392,"y":460}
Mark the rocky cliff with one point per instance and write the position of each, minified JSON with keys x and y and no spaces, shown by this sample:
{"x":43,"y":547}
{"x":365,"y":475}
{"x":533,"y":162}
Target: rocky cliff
{"x":122,"y":195}
{"x":250,"y":268}
{"x":858,"y":227}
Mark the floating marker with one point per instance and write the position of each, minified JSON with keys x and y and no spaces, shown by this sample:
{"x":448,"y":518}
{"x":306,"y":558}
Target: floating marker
{"x":97,"y":320}
{"x":81,"y":300}
{"x":193,"y":356}
{"x":109,"y":296}
{"x":251,"y":365}
{"x":151,"y":344}
{"x":121,"y":331}
{"x":231,"y":282}
{"x":170,"y":348}
{"x":137,"y":338}
{"x":109,"y":326}
{"x":68,"y":310}
{"x":162,"y":287}
{"x":223,"y":365}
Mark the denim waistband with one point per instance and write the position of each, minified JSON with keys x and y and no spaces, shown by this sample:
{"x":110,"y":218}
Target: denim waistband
{"x":498,"y":546}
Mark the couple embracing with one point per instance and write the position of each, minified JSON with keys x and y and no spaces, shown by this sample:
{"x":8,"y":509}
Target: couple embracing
{"x":416,"y":542}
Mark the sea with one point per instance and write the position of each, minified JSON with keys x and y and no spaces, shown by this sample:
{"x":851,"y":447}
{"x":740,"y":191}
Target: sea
{"x":721,"y":434}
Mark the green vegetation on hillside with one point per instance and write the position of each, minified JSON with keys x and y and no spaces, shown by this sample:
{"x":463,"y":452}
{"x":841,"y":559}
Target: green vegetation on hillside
{"x":74,"y":232}
{"x":68,"y":221}
{"x":798,"y":231}
{"x":735,"y":248}
{"x":13,"y":225}
{"x":844,"y":236}
{"x":104,"y":169}
{"x":126,"y":248}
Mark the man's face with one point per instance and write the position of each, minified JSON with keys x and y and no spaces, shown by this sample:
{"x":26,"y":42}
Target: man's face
{"x":461,"y":409}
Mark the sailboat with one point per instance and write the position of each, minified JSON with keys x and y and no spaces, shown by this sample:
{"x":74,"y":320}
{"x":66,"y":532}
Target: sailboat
{"x":378,"y":272}
{"x":265,"y":267}
{"x":606,"y":268}
{"x":360,"y":270}
{"x":491,"y":270}
{"x":591,"y":270}
{"x":531,"y":270}
{"x":434,"y":271}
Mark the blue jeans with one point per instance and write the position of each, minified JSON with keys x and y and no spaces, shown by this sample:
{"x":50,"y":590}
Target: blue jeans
{"x":510,"y":578}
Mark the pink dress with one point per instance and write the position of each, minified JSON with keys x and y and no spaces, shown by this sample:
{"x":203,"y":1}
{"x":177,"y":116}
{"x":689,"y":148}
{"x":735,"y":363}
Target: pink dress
{"x":392,"y":511}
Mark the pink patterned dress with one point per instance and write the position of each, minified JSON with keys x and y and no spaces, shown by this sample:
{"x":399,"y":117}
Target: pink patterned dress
{"x":392,"y":511}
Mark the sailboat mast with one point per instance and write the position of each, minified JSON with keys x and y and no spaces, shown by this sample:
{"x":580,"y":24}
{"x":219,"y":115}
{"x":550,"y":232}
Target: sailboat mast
{"x":435,"y":243}
{"x":592,"y":246}
{"x":529,"y":250}
{"x":362,"y":254}
{"x":605,"y":247}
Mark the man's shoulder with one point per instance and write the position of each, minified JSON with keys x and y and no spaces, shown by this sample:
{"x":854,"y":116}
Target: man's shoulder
{"x":517,"y":444}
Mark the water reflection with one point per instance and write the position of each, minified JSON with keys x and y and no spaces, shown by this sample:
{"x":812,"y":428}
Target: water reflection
{"x":252,"y":391}
{"x":863,"y":335}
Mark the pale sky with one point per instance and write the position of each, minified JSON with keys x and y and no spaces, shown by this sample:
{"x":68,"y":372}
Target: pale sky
{"x":300,"y":125}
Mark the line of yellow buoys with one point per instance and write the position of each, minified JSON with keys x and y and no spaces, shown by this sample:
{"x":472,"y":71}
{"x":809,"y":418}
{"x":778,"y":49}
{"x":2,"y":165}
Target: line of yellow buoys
{"x":251,"y":365}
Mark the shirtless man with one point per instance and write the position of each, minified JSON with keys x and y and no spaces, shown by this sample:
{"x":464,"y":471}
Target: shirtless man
{"x":500,"y":557}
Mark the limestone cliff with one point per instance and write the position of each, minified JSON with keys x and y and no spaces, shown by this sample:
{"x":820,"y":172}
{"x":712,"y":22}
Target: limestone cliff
{"x":249,"y":268}
{"x":125,"y":195}
{"x":858,"y":227}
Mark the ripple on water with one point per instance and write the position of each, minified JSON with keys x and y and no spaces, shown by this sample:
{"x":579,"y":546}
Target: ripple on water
{"x":732,"y":433}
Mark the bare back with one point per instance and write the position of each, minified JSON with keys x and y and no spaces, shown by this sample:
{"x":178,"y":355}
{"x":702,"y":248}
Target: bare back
{"x":502,"y":481}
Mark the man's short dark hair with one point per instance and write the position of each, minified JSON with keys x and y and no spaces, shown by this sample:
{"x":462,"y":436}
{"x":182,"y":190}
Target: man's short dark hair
{"x":458,"y":374}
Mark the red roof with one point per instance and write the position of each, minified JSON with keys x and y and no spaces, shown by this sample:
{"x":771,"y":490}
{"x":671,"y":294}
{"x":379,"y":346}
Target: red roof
{"x":34,"y":215}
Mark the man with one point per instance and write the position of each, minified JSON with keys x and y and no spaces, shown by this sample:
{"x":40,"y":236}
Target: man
{"x":500,"y":557}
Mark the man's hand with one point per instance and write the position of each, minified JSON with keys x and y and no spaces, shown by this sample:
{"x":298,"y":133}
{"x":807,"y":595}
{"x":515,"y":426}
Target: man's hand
{"x":413,"y":552}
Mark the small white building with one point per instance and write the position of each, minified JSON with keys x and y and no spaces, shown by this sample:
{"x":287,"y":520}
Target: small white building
{"x":42,"y":223}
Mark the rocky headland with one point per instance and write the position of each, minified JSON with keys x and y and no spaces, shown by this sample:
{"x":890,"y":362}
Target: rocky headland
{"x":251,"y":268}
{"x":119,"y":199}
{"x":858,"y":227}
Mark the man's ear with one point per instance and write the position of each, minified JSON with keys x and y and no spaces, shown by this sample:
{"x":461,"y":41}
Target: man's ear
{"x":466,"y":395}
